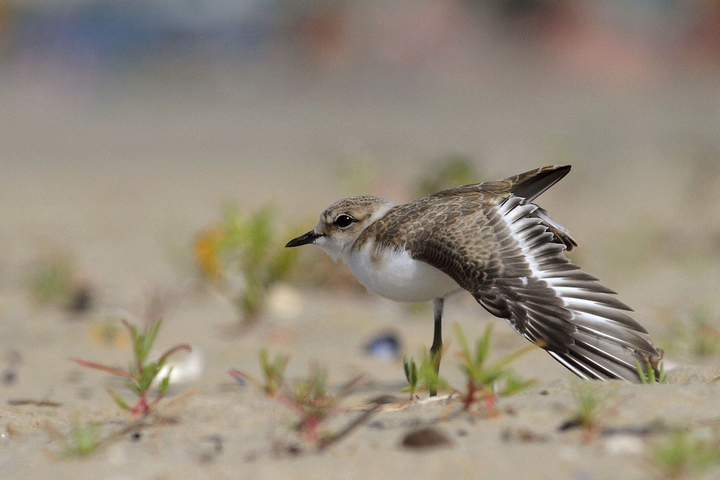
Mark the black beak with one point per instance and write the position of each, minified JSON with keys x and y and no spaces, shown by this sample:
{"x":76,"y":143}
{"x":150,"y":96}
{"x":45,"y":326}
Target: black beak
{"x":309,"y":237}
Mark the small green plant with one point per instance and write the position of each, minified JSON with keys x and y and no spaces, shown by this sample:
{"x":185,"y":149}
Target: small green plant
{"x":488,"y":381}
{"x":425,"y":376}
{"x":697,"y":335}
{"x":309,"y":398}
{"x":54,"y":280}
{"x":705,"y":340}
{"x":273,"y":373}
{"x":411,"y":374}
{"x":591,"y":405}
{"x":83,"y":440}
{"x":648,"y":375}
{"x":315,"y":406}
{"x":311,"y":401}
{"x":682,"y":455}
{"x":243,"y":257}
{"x":142,"y":372}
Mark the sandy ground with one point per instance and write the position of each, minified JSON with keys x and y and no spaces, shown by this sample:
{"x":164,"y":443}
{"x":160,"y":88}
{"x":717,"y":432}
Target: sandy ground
{"x":123,"y":172}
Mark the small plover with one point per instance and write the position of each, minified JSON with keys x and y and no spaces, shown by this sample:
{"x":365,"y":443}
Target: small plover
{"x":493,"y":241}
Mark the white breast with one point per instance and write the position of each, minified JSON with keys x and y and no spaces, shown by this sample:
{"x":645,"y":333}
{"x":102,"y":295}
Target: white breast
{"x":395,"y":275}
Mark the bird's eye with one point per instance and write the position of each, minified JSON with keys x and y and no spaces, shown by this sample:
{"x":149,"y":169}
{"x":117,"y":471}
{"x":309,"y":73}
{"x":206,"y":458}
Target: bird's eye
{"x":343,"y":221}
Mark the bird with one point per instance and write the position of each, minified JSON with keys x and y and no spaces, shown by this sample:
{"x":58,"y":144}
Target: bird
{"x":491,"y":240}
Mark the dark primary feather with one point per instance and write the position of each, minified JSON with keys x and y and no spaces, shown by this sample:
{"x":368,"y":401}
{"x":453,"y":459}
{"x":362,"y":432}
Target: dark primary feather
{"x":486,"y":237}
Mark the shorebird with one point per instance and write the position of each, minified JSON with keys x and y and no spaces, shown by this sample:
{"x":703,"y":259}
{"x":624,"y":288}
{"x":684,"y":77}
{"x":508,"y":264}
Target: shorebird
{"x":491,"y":240}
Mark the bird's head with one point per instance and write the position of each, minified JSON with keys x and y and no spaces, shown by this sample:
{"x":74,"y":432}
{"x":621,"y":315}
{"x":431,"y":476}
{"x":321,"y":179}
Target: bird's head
{"x":342,"y":223}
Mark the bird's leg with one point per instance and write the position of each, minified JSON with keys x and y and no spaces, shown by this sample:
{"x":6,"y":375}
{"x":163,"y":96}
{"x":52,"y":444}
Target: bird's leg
{"x":436,"y":348}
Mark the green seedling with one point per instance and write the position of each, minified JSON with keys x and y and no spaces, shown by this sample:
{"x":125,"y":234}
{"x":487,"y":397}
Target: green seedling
{"x":142,"y":372}
{"x":424,"y":377}
{"x":411,"y":374}
{"x":309,"y":398}
{"x":55,"y":281}
{"x":488,"y":381}
{"x":243,"y":257}
{"x":273,"y":373}
{"x":429,"y":373}
{"x":648,"y":375}
{"x":591,"y":405}
{"x":314,"y":405}
{"x":698,"y":335}
{"x":312,"y":402}
{"x":705,"y":341}
{"x":83,"y":440}
{"x":52,"y":280}
{"x":684,"y":456}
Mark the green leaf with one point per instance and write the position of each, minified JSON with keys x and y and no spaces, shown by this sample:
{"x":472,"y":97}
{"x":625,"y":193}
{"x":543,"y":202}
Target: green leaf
{"x":428,"y":375}
{"x":648,"y":376}
{"x":165,"y":384}
{"x":411,"y":371}
{"x":146,"y":340}
{"x":132,"y":329}
{"x":483,"y":346}
{"x":119,"y":400}
{"x":514,"y":384}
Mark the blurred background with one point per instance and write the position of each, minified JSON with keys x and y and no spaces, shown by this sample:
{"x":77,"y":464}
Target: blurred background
{"x":125,"y":125}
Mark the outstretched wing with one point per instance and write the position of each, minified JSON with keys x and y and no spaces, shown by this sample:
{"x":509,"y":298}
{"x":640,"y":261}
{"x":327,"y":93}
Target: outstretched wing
{"x":504,"y":251}
{"x":549,"y":300}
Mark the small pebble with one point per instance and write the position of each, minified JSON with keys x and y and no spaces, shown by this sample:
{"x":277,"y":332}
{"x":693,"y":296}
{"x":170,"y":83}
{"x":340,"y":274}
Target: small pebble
{"x":385,"y":346}
{"x":384,"y":400}
{"x":294,"y":450}
{"x":9,"y":376}
{"x":623,"y":445}
{"x":239,"y":380}
{"x":82,"y":300}
{"x":216,"y":442}
{"x":427,"y":437}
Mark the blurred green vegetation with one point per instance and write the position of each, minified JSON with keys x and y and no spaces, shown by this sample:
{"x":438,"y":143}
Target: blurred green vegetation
{"x":55,"y":281}
{"x":592,"y":405}
{"x":683,"y":455}
{"x":83,"y":440}
{"x":243,"y":256}
{"x":484,"y":379}
{"x":695,"y":334}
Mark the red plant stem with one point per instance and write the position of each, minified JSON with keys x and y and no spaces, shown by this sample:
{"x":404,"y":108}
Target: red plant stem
{"x":141,"y":405}
{"x":470,"y":396}
{"x":490,"y":402}
{"x":174,"y":349}
{"x":104,"y":368}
